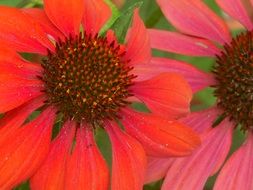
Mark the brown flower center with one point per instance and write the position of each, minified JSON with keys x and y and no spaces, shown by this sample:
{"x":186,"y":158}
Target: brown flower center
{"x":86,"y":78}
{"x":234,"y":74}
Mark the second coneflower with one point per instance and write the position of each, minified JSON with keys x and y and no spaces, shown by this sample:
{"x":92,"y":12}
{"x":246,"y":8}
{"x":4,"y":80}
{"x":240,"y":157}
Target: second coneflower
{"x":85,"y":81}
{"x":203,"y":33}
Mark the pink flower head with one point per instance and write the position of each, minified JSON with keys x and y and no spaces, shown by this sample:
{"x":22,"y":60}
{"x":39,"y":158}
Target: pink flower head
{"x":83,"y":81}
{"x":202,"y":33}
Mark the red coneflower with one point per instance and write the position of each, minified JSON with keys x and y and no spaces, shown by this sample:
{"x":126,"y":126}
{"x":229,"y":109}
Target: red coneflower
{"x":203,"y":33}
{"x":85,"y":80}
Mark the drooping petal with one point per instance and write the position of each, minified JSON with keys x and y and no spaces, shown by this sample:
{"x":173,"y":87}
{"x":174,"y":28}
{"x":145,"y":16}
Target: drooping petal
{"x":236,"y":9}
{"x":159,"y":136}
{"x":199,"y":121}
{"x":65,"y":14}
{"x":21,"y":156}
{"x":128,"y":160}
{"x":86,"y":167}
{"x":138,"y":48}
{"x":237,"y":173}
{"x":193,"y":17}
{"x":167,"y":94}
{"x":179,"y":43}
{"x":51,"y":174}
{"x":192,"y":172}
{"x":157,"y":168}
{"x":40,"y":16}
{"x":96,"y":13}
{"x":13,"y":119}
{"x":21,"y":32}
{"x":196,"y":78}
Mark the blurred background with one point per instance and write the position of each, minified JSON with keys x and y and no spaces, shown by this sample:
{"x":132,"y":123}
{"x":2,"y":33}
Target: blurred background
{"x":153,"y":18}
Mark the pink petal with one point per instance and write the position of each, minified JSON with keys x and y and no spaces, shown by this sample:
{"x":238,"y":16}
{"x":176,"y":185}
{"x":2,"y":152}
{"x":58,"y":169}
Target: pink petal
{"x":65,"y":14}
{"x":202,"y":120}
{"x":193,"y":17}
{"x":51,"y":175}
{"x":21,"y":156}
{"x":167,"y":94}
{"x":138,"y":48}
{"x":196,"y":78}
{"x":40,"y":16}
{"x":182,"y":44}
{"x":86,"y":167}
{"x":237,"y":173}
{"x":157,"y":168}
{"x":192,"y":172}
{"x":128,"y":160}
{"x":21,"y":32}
{"x":236,"y":9}
{"x":159,"y":136}
{"x":96,"y":14}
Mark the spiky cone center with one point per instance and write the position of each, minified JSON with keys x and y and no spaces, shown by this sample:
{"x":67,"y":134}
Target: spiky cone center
{"x":234,"y":75}
{"x":87,"y":78}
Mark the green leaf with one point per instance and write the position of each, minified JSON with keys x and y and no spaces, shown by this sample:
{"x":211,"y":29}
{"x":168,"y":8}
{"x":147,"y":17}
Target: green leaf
{"x":115,"y":15}
{"x":10,"y":3}
{"x":123,"y":22}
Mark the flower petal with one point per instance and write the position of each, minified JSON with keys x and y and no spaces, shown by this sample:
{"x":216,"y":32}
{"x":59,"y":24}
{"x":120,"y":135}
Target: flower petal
{"x":196,"y":78}
{"x":167,"y":94}
{"x":192,"y":172}
{"x":21,"y":156}
{"x":86,"y":167}
{"x":96,"y":13}
{"x":40,"y":16}
{"x":157,"y":168}
{"x":21,"y":32}
{"x":11,"y":63}
{"x":182,"y":44}
{"x":237,"y":173}
{"x":193,"y":17}
{"x":18,"y":78}
{"x":201,"y":121}
{"x":13,"y":119}
{"x":160,"y":137}
{"x":138,"y":48}
{"x":51,"y":174}
{"x":65,"y":14}
{"x":129,"y":160}
{"x":236,"y":9}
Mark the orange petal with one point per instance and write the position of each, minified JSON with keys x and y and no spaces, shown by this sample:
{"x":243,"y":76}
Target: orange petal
{"x":86,"y":167}
{"x":11,"y":63}
{"x":18,"y":78}
{"x":40,"y":16}
{"x":96,"y":14}
{"x":65,"y":14}
{"x":167,"y":94}
{"x":21,"y":32}
{"x":13,"y":119}
{"x":51,"y":175}
{"x":129,"y":160}
{"x":21,"y":156}
{"x":138,"y":48}
{"x":159,"y":136}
